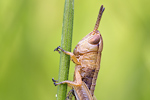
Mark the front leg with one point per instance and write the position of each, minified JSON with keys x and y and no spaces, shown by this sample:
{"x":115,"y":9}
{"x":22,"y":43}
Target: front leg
{"x":72,"y":56}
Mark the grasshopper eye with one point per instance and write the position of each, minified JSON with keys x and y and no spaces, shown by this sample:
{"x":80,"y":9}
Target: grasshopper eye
{"x":95,"y":39}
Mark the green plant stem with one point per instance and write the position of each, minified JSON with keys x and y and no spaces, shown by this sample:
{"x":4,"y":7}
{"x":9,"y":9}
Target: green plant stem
{"x":66,"y":41}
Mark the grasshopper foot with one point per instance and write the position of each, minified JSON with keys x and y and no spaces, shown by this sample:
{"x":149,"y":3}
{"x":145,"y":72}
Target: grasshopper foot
{"x":57,"y":49}
{"x":54,"y":82}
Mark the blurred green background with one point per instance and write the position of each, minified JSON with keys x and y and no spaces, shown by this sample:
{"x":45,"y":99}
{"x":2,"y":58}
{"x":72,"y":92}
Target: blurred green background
{"x":31,"y":29}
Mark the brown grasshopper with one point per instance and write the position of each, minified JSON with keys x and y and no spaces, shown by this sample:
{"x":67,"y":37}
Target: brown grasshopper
{"x":87,"y":57}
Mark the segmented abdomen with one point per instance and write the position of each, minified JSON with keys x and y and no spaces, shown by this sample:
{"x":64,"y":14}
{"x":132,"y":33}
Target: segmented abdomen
{"x":88,"y":66}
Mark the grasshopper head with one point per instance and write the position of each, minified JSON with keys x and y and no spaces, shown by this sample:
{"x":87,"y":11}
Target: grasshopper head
{"x":93,"y":41}
{"x":90,"y":43}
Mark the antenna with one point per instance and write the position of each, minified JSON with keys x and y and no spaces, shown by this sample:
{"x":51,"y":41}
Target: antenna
{"x":98,"y":18}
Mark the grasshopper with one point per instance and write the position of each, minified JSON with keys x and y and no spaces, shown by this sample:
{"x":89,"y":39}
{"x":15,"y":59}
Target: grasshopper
{"x":87,"y":57}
